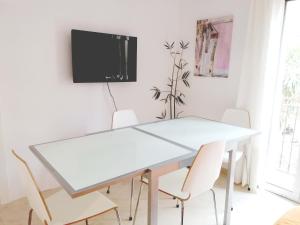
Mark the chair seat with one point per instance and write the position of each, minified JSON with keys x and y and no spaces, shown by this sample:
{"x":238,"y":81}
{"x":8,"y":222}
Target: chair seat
{"x":65,"y":210}
{"x":172,"y":183}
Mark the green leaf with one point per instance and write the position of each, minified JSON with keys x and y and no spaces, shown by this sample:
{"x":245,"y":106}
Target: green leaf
{"x":167,"y":45}
{"x":185,"y":75}
{"x":156,"y":94}
{"x":180,"y":100}
{"x":163,"y":115}
{"x":186,"y":83}
{"x":186,"y":45}
{"x":179,"y":66}
{"x":181,"y":44}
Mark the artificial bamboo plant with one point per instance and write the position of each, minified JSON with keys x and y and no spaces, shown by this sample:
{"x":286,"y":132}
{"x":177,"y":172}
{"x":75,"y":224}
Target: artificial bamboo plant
{"x":172,"y":96}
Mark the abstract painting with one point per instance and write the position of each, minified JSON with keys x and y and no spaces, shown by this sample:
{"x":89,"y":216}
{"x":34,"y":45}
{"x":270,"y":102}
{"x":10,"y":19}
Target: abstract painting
{"x":213,"y":44}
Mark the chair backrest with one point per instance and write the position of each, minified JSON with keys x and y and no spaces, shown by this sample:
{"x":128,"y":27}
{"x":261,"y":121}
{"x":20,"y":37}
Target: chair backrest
{"x":205,"y":169}
{"x":34,"y":196}
{"x":237,"y":117}
{"x":124,"y":118}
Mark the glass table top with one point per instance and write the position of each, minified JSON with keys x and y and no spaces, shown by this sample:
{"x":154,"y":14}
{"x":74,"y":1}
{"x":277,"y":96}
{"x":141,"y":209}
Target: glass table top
{"x":86,"y":161}
{"x":193,"y":132}
{"x":82,"y":163}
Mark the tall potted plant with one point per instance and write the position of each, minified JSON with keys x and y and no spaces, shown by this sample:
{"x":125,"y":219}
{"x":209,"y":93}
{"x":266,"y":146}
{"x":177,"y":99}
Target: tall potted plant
{"x":172,"y":96}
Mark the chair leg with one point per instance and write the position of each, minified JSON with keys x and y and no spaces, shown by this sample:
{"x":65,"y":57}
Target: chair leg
{"x":177,"y":204}
{"x":131,"y":198}
{"x":247,"y":172}
{"x":30,"y":216}
{"x":108,"y":190}
{"x":215,"y":205}
{"x":182,"y":212}
{"x":118,"y":216}
{"x":137,"y":204}
{"x":86,"y":222}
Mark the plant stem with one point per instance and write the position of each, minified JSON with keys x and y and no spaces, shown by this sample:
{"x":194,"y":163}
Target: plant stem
{"x":172,"y":84}
{"x":176,"y":81}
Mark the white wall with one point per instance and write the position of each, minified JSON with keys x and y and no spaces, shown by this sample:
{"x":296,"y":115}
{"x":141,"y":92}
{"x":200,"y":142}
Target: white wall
{"x":209,"y":97}
{"x":40,"y":102}
{"x":3,"y":175}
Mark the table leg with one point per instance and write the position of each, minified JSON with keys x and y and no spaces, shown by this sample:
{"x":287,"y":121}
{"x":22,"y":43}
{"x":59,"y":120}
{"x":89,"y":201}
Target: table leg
{"x":152,"y":198}
{"x":229,"y":187}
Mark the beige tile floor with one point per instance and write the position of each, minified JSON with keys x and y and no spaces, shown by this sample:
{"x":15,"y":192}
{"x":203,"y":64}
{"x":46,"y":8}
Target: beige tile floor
{"x":255,"y":209}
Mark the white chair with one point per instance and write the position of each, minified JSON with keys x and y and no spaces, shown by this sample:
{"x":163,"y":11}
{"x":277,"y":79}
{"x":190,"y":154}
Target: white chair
{"x":241,"y":118}
{"x":125,"y":118}
{"x":185,"y":184}
{"x":60,"y":208}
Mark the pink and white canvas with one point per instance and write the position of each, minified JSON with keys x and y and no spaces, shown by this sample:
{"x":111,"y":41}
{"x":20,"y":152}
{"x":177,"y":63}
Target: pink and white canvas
{"x":213,"y":45}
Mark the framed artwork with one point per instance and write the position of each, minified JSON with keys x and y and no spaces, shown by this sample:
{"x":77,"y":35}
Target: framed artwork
{"x":213,"y":45}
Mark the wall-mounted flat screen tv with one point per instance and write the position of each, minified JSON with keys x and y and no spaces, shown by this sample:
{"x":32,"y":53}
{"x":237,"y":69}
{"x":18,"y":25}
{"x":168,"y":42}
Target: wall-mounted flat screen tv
{"x":101,"y":57}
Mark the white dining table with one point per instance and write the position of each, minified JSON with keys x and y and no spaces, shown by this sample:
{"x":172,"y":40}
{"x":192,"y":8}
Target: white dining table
{"x":91,"y":162}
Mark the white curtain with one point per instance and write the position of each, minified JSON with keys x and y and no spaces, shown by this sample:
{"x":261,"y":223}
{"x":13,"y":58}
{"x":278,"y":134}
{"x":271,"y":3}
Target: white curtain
{"x":258,"y":79}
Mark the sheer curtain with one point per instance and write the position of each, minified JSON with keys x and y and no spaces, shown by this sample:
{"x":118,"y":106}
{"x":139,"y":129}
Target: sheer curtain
{"x":258,"y":79}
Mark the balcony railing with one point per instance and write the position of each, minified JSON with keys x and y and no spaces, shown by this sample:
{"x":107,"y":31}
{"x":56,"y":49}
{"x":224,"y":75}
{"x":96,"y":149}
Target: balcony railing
{"x":290,"y":131}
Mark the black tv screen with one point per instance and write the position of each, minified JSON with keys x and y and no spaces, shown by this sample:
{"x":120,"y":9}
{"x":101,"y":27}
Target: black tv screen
{"x":100,"y":57}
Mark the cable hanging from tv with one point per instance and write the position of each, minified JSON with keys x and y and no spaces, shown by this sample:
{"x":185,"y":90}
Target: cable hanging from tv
{"x":112,"y":97}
